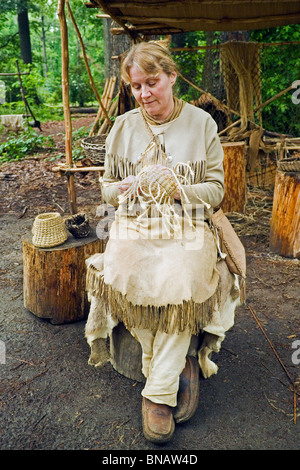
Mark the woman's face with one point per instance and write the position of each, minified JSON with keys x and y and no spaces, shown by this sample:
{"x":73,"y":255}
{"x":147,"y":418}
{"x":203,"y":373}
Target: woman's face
{"x":154,"y":93}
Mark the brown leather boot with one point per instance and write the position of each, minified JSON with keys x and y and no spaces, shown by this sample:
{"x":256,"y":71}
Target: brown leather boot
{"x":158,"y":422}
{"x":188,"y":393}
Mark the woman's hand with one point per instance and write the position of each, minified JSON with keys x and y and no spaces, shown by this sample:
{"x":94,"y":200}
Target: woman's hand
{"x":126,"y":183}
{"x":177,"y":195}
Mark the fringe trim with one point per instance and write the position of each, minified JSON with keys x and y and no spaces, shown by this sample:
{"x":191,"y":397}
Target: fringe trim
{"x":198,"y":171}
{"x":243,"y":295}
{"x":168,"y":319}
{"x":121,"y":167}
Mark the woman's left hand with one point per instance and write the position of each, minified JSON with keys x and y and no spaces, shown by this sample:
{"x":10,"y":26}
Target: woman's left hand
{"x":177,"y":195}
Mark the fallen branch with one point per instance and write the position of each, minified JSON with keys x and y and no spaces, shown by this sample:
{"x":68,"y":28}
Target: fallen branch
{"x":271,"y":345}
{"x":21,"y":360}
{"x":280,"y":362}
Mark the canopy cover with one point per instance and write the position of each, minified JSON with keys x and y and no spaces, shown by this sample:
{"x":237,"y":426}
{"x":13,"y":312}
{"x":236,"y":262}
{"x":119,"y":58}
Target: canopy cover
{"x":171,"y":16}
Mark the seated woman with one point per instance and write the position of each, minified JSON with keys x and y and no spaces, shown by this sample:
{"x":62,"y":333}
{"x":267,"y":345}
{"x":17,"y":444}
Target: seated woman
{"x":160,"y":274}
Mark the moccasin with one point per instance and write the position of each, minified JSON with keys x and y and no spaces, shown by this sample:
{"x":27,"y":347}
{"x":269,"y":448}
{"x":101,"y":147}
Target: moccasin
{"x":188,"y":393}
{"x":158,"y":421}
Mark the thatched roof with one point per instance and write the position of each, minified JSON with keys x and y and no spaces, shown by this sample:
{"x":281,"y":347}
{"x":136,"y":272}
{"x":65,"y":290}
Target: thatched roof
{"x":171,"y":16}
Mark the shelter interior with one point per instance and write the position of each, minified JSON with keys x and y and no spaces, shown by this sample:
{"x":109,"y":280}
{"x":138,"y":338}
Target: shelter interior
{"x":240,"y":112}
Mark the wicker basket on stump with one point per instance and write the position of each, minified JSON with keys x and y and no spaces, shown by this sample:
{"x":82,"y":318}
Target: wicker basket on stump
{"x":289,"y":164}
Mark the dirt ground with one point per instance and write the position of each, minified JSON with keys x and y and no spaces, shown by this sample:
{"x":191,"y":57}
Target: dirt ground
{"x":51,"y":399}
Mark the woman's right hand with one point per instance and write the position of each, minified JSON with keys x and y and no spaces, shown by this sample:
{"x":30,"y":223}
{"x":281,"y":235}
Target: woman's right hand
{"x":126,"y":183}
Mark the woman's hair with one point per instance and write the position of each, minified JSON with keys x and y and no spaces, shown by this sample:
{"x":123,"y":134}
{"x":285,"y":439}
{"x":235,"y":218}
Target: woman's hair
{"x":151,"y":58}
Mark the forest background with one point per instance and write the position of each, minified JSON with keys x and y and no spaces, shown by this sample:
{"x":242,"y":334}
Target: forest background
{"x":30,"y":34}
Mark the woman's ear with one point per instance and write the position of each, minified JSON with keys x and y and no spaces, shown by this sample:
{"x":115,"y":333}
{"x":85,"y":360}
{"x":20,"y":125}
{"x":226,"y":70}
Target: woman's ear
{"x":173,"y":77}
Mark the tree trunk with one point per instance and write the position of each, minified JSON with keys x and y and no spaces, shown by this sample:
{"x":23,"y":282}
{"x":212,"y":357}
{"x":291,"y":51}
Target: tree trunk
{"x":179,"y":40}
{"x":54,"y":278}
{"x":211,"y":78}
{"x":285,"y":222}
{"x":24,"y":35}
{"x":114,"y":45}
{"x":44,"y":47}
{"x":235,"y":177}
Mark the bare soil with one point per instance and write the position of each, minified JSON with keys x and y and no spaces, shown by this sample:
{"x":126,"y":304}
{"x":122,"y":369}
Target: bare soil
{"x":51,"y":399}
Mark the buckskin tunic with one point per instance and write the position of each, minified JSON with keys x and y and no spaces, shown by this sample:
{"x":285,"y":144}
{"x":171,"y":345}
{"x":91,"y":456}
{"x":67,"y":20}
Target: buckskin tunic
{"x":153,"y":281}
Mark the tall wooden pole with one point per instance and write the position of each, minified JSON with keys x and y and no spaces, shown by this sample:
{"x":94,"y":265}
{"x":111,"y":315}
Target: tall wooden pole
{"x":66,"y":101}
{"x":87,"y":65}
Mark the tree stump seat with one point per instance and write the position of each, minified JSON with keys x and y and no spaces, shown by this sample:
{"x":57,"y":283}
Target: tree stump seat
{"x":285,"y":220}
{"x":54,"y":278}
{"x":126,"y":352}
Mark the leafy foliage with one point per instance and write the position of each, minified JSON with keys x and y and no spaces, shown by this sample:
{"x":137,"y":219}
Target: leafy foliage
{"x":44,"y":82}
{"x":20,"y":146}
{"x":280,"y":66}
{"x":190,"y":65}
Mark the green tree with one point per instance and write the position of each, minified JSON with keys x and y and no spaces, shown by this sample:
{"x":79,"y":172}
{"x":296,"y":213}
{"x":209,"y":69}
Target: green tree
{"x":45,"y":41}
{"x":280,"y":67}
{"x":190,"y":64}
{"x":24,"y":32}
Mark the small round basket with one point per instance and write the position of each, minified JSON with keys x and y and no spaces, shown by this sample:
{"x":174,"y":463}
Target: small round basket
{"x":49,"y":230}
{"x":78,"y":225}
{"x":94,"y":148}
{"x":289,"y":164}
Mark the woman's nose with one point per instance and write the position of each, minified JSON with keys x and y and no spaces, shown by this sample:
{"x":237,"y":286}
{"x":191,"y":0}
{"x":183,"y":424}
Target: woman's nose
{"x":145,"y":92}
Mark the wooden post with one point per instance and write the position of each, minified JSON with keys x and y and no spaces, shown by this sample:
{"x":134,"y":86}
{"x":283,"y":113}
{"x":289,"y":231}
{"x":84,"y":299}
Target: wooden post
{"x":285,"y":221}
{"x":66,"y":101}
{"x":235,"y":177}
{"x":87,"y":65}
{"x":106,"y":99}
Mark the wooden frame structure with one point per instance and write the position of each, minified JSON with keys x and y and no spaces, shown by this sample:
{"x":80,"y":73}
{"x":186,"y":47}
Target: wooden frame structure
{"x":69,"y":169}
{"x":148,"y":17}
{"x":140,"y":19}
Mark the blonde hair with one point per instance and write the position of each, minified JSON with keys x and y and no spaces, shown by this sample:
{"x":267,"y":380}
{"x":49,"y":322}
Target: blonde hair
{"x":151,"y":58}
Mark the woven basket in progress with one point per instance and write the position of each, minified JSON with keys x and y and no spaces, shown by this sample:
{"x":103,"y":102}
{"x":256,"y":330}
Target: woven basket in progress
{"x":156,"y":185}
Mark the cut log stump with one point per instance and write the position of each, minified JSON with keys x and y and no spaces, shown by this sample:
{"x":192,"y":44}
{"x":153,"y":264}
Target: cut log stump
{"x":234,"y":177}
{"x":285,"y":221}
{"x":54,"y":278}
{"x":126,"y":353}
